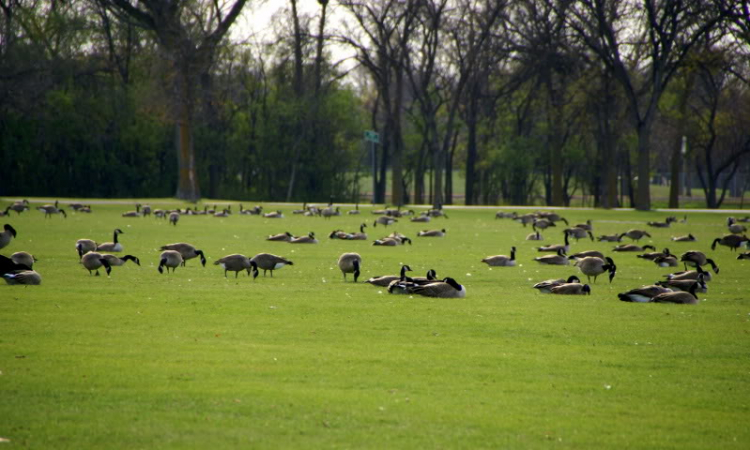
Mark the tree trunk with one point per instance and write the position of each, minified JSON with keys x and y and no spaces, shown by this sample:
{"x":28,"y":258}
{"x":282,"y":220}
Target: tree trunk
{"x":675,"y":166}
{"x":643,"y":194}
{"x":187,"y":184}
{"x":471,"y":146}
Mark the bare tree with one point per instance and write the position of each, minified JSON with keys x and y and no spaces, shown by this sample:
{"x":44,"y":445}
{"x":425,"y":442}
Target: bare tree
{"x":188,"y":33}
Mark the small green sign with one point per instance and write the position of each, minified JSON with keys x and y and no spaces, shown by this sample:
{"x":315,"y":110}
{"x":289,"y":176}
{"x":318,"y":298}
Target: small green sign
{"x":372,"y":136}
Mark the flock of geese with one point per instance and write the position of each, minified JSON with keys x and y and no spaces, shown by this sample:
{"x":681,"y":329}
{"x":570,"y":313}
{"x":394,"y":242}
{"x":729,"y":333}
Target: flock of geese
{"x":679,"y":287}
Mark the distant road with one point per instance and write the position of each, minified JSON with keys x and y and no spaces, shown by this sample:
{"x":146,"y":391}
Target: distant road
{"x":66,"y":201}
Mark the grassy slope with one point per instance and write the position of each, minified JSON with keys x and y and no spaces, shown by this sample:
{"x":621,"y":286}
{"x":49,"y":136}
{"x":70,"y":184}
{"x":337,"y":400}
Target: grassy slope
{"x":142,"y":360}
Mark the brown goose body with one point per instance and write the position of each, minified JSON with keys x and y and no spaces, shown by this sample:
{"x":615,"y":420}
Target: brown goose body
{"x":733,"y":241}
{"x":609,"y":238}
{"x":545,"y":287}
{"x":586,"y":253}
{"x":632,"y":248}
{"x":52,"y":209}
{"x":571,"y":289}
{"x":115,"y":260}
{"x":187,"y":251}
{"x":385,"y":280}
{"x":688,"y":238}
{"x":694,"y":258}
{"x":448,"y":288}
{"x":25,"y":277}
{"x":635,"y":235}
{"x":432,"y":233}
{"x":269,"y":262}
{"x":557,"y":260}
{"x":27,"y":259}
{"x":501,"y":260}
{"x":171,"y":259}
{"x":680,"y":297}
{"x":309,"y":239}
{"x":111,"y":246}
{"x":281,"y":237}
{"x":237,"y":263}
{"x":93,"y":261}
{"x":350,"y":263}
{"x":643,"y":294}
{"x":592,"y":266}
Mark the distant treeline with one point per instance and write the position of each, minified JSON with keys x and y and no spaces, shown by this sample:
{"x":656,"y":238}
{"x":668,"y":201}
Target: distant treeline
{"x":529,"y":99}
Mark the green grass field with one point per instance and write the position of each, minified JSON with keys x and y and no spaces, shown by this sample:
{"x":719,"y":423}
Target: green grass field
{"x":304,"y":360}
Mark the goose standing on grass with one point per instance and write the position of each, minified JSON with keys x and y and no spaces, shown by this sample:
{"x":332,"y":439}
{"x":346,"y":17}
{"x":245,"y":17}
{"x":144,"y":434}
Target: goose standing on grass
{"x":27,"y":259}
{"x":237,"y":263}
{"x":385,"y":280}
{"x":25,"y":277}
{"x":309,"y":239}
{"x":588,"y":226}
{"x":680,"y":297}
{"x":579,"y":233}
{"x":557,"y":260}
{"x":350,"y":263}
{"x":502,"y":260}
{"x":586,"y":253}
{"x":20,"y":206}
{"x":114,"y":260}
{"x":571,"y":289}
{"x":591,"y":266}
{"x":542,"y":224}
{"x":174,"y":217}
{"x":170,"y":259}
{"x":448,"y":288}
{"x":84,"y":246}
{"x":685,"y":285}
{"x":269,"y":262}
{"x":635,"y":235}
{"x":556,"y":247}
{"x":688,"y":238}
{"x":8,"y":233}
{"x":733,"y":241}
{"x":187,"y":251}
{"x":643,"y":294}
{"x":632,"y":248}
{"x":432,"y":233}
{"x":281,"y":237}
{"x":94,"y":261}
{"x":695,"y":258}
{"x":111,"y":246}
{"x":546,"y":286}
{"x":52,"y":209}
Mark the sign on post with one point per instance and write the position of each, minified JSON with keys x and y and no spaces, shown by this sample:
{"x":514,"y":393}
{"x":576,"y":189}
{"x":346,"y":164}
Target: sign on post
{"x":372,"y":136}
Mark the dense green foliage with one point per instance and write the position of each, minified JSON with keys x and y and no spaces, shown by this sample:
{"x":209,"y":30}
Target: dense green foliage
{"x":301,"y":360}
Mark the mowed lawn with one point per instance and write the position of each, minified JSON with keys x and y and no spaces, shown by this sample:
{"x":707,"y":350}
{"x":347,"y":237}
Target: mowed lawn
{"x":304,"y":360}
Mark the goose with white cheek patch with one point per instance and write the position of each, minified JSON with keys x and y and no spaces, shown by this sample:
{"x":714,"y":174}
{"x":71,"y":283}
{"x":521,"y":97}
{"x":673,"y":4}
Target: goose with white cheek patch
{"x":111,"y":246}
{"x":545,"y":287}
{"x":269,"y":262}
{"x":237,"y":263}
{"x":502,"y":260}
{"x":448,"y":288}
{"x":187,"y":251}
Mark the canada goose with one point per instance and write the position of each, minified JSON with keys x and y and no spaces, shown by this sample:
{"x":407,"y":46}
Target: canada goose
{"x":160,"y":213}
{"x":688,"y":238}
{"x":237,"y":263}
{"x":501,"y":260}
{"x":680,"y":297}
{"x":354,"y":211}
{"x":350,"y":263}
{"x":422,"y":218}
{"x":666,"y":261}
{"x":545,"y":286}
{"x":84,"y":246}
{"x":6,"y":212}
{"x":653,"y":255}
{"x":690,"y":275}
{"x":146,"y":210}
{"x":591,"y":266}
{"x":282,"y":237}
{"x":309,"y":239}
{"x":361,"y":236}
{"x":93,"y":261}
{"x":385,"y":280}
{"x":267,"y":261}
{"x":432,"y":233}
{"x":8,"y":233}
{"x":111,"y":246}
{"x":694,"y":258}
{"x":86,"y":209}
{"x":114,"y":260}
{"x":384,"y":220}
{"x":580,"y":255}
{"x":664,"y":224}
{"x":26,"y":277}
{"x":632,"y":248}
{"x":571,"y":289}
{"x":52,"y":209}
{"x":174,"y":217}
{"x":579,"y":233}
{"x":745,"y":255}
{"x":431,"y":276}
{"x":535,"y":236}
{"x":20,"y":206}
{"x":7,"y":265}
{"x":733,"y":241}
{"x":734,"y":227}
{"x":329,"y":212}
{"x":24,"y":258}
{"x":553,"y":217}
{"x":274,"y":215}
{"x":558,"y":260}
{"x":223,"y":213}
{"x":136,"y":213}
{"x":643,"y":294}
{"x":685,"y":285}
{"x":556,"y":247}
{"x":526,"y":219}
{"x":505,"y":215}
{"x":437,"y":213}
{"x":586,"y":226}
{"x":391,"y":241}
{"x":339,"y":234}
{"x":448,"y":288}
{"x":542,"y":224}
{"x":610,"y":238}
{"x":635,"y":235}
{"x":171,"y":258}
{"x":187,"y":251}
